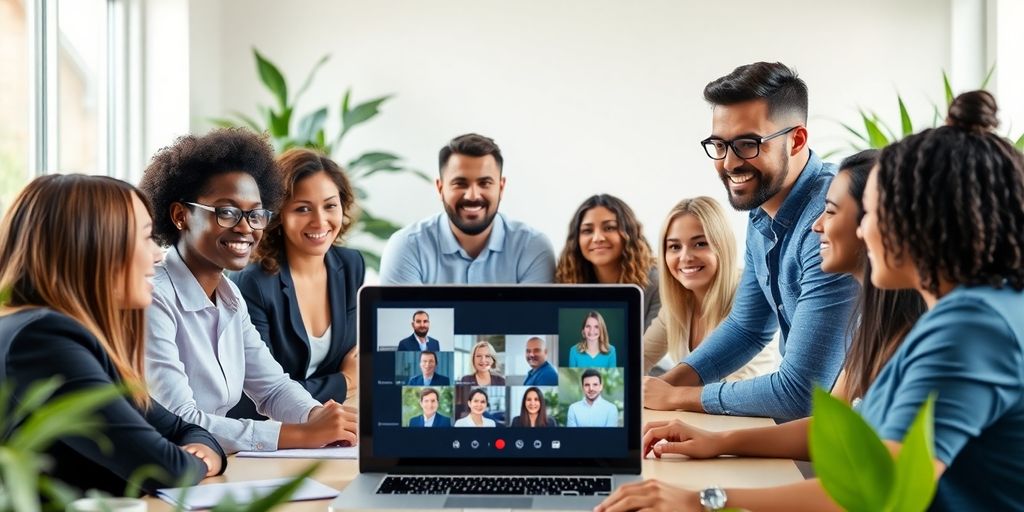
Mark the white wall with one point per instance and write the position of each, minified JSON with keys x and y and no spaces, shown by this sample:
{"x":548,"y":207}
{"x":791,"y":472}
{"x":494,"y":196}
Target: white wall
{"x":584,"y":96}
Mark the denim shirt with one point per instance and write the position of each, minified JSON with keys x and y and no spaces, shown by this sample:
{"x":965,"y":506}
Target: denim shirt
{"x":782,"y":288}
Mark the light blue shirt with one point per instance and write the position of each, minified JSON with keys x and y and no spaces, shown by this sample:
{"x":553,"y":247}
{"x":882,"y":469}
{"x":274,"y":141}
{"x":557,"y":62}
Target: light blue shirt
{"x":201,"y":356}
{"x":579,"y":359}
{"x":601,"y":413}
{"x":428,"y":253}
{"x":969,"y":350}
{"x":429,"y":422}
{"x":782,"y":289}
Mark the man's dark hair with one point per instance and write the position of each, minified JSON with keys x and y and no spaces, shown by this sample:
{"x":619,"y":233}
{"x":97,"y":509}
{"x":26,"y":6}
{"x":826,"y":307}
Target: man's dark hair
{"x":470,"y":144}
{"x":418,"y":313}
{"x":429,"y":391}
{"x":773,"y":82}
{"x":428,"y":353}
{"x":590,"y":372}
{"x":949,"y":198}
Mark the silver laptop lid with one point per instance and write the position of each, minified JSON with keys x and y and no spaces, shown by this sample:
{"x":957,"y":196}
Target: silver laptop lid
{"x":500,"y":379}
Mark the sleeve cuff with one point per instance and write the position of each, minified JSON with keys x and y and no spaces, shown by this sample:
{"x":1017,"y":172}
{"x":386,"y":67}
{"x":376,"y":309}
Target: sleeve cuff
{"x":265,"y":436}
{"x":711,"y":399}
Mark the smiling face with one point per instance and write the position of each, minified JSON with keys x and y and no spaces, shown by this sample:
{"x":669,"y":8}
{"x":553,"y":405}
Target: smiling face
{"x":536,"y":352}
{"x":886,"y":273}
{"x":312,"y":218}
{"x":428,"y":363}
{"x":478,"y":403}
{"x":752,"y":182}
{"x":208,"y":247}
{"x":600,"y":240}
{"x":470,"y":189}
{"x":592,"y":387}
{"x":591,"y":330}
{"x":429,"y":404}
{"x":482,"y":361}
{"x":421,"y":324}
{"x":532,"y":402}
{"x":688,"y":255}
{"x":841,"y":250}
{"x":146,"y":254}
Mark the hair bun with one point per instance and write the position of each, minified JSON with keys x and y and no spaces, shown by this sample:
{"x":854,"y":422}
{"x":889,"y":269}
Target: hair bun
{"x":974,"y":110}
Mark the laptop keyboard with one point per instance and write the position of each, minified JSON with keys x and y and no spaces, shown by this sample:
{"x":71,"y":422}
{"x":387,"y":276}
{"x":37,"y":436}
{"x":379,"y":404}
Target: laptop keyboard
{"x":507,"y":485}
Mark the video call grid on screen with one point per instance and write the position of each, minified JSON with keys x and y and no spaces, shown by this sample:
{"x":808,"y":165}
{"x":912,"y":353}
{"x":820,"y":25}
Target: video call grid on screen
{"x":502,"y":418}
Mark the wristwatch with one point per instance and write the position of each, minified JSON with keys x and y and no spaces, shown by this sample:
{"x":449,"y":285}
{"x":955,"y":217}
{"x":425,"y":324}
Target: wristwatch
{"x":713,"y":499}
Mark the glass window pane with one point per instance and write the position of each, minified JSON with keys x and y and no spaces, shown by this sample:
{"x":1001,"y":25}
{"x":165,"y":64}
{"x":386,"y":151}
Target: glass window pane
{"x":14,"y":100}
{"x":81,"y":72}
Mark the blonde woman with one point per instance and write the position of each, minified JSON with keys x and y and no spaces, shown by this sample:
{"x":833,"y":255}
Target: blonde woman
{"x":594,"y":350}
{"x":699,"y":273}
{"x":485,"y":361}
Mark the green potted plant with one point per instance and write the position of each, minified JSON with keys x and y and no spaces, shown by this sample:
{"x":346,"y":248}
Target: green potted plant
{"x":858,"y":471}
{"x":278,"y":121}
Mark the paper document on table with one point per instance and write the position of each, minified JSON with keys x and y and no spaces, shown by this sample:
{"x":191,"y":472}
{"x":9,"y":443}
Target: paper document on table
{"x":207,"y":496}
{"x":347,"y":452}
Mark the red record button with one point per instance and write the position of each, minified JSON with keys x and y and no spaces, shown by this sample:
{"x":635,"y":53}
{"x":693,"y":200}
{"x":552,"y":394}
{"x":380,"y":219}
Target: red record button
{"x":500,"y":444}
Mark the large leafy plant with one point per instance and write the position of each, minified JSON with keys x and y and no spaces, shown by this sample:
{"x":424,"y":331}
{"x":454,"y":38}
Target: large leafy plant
{"x":877,"y":134}
{"x":856,"y":468}
{"x":278,"y":120}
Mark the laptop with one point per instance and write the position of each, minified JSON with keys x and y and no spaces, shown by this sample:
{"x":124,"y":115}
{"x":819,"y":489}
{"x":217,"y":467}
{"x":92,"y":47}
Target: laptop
{"x":479,"y":396}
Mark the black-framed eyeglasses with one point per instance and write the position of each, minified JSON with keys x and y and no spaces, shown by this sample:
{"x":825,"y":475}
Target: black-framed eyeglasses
{"x":743,"y":147}
{"x":230,"y":216}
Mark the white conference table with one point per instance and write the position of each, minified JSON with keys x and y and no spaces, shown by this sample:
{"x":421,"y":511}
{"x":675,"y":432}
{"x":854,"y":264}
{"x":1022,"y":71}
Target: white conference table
{"x":679,"y":471}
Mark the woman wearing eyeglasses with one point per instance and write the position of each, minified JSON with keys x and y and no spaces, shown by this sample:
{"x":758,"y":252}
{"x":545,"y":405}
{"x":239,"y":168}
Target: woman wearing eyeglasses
{"x":301,"y":288}
{"x":212,"y":197}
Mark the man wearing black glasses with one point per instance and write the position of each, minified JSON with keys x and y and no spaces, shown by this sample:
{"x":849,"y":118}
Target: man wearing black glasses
{"x":759,"y":145}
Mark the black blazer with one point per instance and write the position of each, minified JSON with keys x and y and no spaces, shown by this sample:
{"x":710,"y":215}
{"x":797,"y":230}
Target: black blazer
{"x":411,"y":343}
{"x":41,"y":343}
{"x":274,"y":311}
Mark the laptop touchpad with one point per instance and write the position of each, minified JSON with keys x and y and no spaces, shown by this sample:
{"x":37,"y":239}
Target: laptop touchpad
{"x":487,"y":502}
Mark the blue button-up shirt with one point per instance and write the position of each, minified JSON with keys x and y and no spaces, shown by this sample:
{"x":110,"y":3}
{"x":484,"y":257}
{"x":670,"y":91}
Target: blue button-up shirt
{"x":543,"y":375}
{"x":782,"y":288}
{"x":427,"y":252}
{"x":601,"y":413}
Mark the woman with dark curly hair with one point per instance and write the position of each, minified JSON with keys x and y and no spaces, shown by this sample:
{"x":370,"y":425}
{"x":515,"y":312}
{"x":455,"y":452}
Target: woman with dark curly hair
{"x":213,"y":196}
{"x":301,"y":288}
{"x":943,"y":215}
{"x":606,"y":245}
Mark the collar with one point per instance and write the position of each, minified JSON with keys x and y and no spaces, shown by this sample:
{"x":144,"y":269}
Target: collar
{"x":599,"y":399}
{"x":450,"y":245}
{"x":186,"y":287}
{"x":793,"y":207}
{"x":539,"y":368}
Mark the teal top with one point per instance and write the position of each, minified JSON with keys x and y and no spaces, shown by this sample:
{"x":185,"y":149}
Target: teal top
{"x":969,"y":348}
{"x":579,"y":359}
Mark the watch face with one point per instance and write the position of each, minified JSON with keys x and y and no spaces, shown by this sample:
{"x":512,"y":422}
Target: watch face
{"x":713,"y":498}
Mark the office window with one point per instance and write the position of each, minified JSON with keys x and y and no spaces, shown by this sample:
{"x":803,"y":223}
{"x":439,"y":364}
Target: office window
{"x":14,"y":100}
{"x":82,"y":86}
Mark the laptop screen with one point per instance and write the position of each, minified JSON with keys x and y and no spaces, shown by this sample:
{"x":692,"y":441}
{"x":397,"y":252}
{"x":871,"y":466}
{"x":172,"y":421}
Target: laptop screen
{"x":500,"y":376}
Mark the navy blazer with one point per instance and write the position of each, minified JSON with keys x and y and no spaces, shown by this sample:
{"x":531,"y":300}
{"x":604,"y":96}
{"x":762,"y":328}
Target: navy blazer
{"x":274,"y":311}
{"x":411,"y":343}
{"x":439,"y":421}
{"x":438,"y":380}
{"x":38,"y":344}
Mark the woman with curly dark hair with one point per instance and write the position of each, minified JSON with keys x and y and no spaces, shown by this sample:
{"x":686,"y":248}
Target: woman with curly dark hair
{"x":944,"y":216}
{"x":301,"y":287}
{"x":213,"y":196}
{"x":606,"y":245}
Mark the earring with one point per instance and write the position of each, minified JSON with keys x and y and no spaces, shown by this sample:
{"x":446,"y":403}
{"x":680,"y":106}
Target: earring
{"x":179,"y":226}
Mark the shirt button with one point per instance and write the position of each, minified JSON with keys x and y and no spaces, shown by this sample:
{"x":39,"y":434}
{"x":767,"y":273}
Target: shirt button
{"x":781,"y":307}
{"x":259,"y":446}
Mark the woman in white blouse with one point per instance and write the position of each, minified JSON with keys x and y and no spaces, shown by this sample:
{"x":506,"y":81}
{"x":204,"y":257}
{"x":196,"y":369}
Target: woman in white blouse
{"x":477,"y":406}
{"x":211,"y":196}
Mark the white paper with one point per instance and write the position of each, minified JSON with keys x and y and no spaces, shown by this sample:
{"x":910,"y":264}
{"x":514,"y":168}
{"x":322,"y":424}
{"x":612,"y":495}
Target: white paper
{"x":347,"y":452}
{"x":207,"y":496}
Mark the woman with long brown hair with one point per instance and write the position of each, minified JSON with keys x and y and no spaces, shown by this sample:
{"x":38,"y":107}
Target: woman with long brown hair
{"x":533,"y":412}
{"x":77,"y":253}
{"x":301,"y":287}
{"x":606,"y":245}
